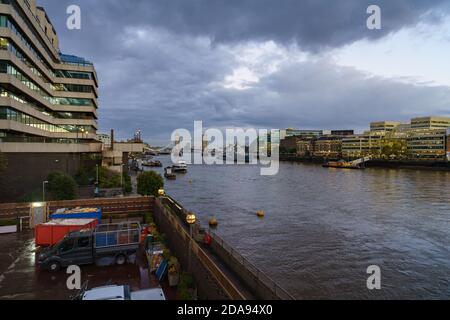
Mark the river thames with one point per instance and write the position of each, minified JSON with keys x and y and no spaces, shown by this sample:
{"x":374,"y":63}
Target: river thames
{"x":324,"y":227}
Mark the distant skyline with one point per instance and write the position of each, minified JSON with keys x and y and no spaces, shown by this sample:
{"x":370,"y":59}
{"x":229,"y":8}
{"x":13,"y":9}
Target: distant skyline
{"x":260,"y":63}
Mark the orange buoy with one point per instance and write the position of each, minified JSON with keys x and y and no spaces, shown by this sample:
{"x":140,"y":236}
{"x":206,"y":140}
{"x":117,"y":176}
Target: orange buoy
{"x":261,"y":214}
{"x":213,"y":223}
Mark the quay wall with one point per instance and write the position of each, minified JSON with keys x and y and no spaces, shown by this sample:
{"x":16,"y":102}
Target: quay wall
{"x":399,"y":164}
{"x":211,"y":283}
{"x":257,"y":282}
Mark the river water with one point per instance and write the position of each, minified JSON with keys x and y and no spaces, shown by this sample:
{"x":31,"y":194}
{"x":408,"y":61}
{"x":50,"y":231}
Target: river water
{"x":324,"y":227}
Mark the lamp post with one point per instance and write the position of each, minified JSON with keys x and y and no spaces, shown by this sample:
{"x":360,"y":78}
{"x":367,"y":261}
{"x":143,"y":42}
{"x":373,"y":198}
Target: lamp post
{"x":190,"y":219}
{"x":43,"y":190}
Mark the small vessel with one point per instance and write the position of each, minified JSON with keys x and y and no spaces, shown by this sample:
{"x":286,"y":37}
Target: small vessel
{"x":342,"y":165}
{"x":180,"y":167}
{"x":168,"y":174}
{"x":359,"y":164}
{"x":154,"y":164}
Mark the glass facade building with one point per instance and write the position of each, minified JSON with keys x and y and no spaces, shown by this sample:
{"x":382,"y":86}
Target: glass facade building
{"x":45,"y":96}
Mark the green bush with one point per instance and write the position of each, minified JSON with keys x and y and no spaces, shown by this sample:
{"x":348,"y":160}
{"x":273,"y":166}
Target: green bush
{"x":8,"y":222}
{"x":85,"y":176}
{"x":61,"y":186}
{"x":127,"y":186}
{"x":148,"y":183}
{"x":185,"y":287}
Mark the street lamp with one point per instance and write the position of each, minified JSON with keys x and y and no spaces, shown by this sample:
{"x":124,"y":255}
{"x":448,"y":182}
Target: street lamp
{"x":43,"y":190}
{"x":190,"y":219}
{"x":161,"y":192}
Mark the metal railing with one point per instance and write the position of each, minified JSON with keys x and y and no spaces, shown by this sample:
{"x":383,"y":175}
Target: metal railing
{"x":223,"y":281}
{"x":115,"y":238}
{"x":257,"y":274}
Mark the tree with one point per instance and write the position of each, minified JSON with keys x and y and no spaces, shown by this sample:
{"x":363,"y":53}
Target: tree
{"x":127,"y":186}
{"x":61,"y":186}
{"x":394,"y":148}
{"x":108,"y":179}
{"x":148,"y":183}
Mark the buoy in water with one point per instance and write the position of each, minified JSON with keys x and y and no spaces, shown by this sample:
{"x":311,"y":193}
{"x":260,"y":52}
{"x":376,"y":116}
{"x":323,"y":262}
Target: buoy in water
{"x":213,"y":223}
{"x":261,"y":214}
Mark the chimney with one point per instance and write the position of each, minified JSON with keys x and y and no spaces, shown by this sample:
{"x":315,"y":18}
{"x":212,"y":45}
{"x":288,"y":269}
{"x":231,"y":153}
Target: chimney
{"x":112,"y":139}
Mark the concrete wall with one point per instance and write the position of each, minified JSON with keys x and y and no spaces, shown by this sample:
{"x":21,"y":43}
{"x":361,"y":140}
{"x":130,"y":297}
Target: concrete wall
{"x":26,"y":171}
{"x":207,"y":286}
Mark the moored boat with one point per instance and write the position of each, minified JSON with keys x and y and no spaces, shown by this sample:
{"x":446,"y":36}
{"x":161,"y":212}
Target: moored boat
{"x":344,"y":165}
{"x":180,"y":167}
{"x":168,"y":174}
{"x":155,"y":164}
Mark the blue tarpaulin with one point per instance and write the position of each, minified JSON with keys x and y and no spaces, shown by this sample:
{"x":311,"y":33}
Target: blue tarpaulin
{"x":79,"y":215}
{"x":161,"y":272}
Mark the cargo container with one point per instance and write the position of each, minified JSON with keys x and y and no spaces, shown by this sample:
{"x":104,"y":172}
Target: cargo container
{"x":78,"y":213}
{"x":50,"y":233}
{"x":115,"y":242}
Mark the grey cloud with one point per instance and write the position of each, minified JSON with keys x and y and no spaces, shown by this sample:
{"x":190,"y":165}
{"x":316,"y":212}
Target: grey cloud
{"x":171,"y":75}
{"x":313,"y":24}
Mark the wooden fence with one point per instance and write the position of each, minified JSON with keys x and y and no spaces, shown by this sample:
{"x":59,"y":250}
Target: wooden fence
{"x":111,"y":207}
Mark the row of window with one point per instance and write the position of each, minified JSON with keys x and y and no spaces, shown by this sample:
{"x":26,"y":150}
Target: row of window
{"x":5,"y":44}
{"x":6,"y":67}
{"x":8,"y":136}
{"x":5,"y":22}
{"x":72,"y":88}
{"x":14,"y":115}
{"x":7,"y":113}
{"x":60,"y":115}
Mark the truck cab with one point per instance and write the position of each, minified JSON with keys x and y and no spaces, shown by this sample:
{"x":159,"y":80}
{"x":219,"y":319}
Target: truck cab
{"x":114,"y":241}
{"x":75,"y":249}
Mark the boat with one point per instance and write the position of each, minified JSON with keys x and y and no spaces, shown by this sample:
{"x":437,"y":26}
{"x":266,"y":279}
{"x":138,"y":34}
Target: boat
{"x":168,"y":174}
{"x":342,"y":164}
{"x":154,"y":164}
{"x":180,"y":167}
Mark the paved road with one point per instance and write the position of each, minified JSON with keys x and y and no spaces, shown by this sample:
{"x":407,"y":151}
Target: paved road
{"x":21,"y":279}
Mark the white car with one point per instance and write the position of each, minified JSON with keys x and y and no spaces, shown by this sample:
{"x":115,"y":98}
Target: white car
{"x":122,"y":293}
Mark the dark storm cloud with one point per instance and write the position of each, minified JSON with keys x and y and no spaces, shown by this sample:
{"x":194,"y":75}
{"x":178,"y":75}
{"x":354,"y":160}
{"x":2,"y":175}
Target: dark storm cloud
{"x":311,"y":23}
{"x":162,"y":64}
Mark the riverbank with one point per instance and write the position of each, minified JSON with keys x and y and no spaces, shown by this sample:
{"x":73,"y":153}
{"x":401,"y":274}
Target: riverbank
{"x":398,"y":164}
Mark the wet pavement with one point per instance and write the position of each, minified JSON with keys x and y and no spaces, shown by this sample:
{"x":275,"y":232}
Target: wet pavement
{"x":20,"y":278}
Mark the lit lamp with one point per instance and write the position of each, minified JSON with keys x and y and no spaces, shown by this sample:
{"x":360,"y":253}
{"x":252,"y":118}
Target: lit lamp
{"x":161,"y":192}
{"x":190,"y":219}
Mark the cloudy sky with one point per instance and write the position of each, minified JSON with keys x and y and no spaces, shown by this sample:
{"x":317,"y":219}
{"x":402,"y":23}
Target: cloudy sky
{"x":260,"y":63}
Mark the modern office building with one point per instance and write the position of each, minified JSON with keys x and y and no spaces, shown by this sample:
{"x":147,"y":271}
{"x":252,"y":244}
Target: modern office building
{"x":329,"y":146}
{"x":430,"y":123}
{"x":384,"y":125}
{"x":48,"y":100}
{"x":428,"y":144}
{"x":361,"y":145}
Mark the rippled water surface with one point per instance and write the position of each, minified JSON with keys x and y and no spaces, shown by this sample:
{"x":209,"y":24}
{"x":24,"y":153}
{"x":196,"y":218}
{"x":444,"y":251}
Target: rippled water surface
{"x":324,"y":227}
